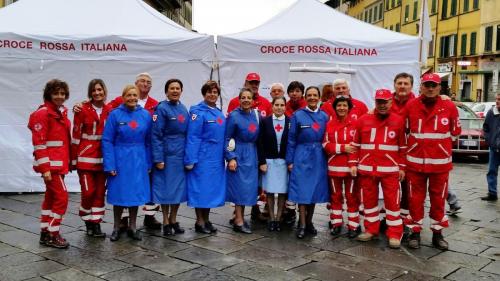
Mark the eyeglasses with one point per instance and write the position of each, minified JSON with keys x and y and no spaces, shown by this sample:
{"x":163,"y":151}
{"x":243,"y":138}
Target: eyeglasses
{"x":430,"y":85}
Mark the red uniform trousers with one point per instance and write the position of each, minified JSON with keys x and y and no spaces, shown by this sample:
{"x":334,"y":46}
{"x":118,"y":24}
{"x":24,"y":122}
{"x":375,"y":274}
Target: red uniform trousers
{"x":54,"y":204}
{"x":351,"y":190}
{"x":390,"y":188}
{"x":418,"y":183}
{"x":93,"y":184}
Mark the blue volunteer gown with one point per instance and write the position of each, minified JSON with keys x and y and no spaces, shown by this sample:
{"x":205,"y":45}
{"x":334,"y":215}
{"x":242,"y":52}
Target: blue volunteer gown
{"x":205,"y":150}
{"x":242,"y":184}
{"x":170,"y":122}
{"x":126,"y":150}
{"x":308,"y":179}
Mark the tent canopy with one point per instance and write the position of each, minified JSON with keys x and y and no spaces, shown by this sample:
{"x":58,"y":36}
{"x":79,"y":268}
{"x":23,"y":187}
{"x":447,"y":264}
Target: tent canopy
{"x":97,"y":30}
{"x":309,"y":31}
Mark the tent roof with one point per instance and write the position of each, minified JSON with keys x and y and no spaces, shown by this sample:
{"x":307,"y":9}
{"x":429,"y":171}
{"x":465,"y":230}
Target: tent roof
{"x":312,"y":23}
{"x":148,"y":34}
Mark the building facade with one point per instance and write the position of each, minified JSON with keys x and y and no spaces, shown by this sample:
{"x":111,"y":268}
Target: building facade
{"x":465,"y":46}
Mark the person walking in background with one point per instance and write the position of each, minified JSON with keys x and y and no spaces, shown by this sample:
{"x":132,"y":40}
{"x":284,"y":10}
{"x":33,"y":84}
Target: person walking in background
{"x":491,"y":128}
{"x":168,"y":137}
{"x":86,"y":156}
{"x":51,"y":137}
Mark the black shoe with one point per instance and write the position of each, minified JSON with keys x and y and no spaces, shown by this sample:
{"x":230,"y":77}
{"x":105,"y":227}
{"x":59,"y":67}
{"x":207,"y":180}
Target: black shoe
{"x":406,"y":233}
{"x":167,"y":230}
{"x":89,"y":228}
{"x":489,"y":197}
{"x":231,"y":221}
{"x":151,"y":223}
{"x":289,"y":217}
{"x":439,"y":242}
{"x":57,"y":241}
{"x":98,"y":232}
{"x":115,"y":235}
{"x":311,"y":229}
{"x":454,"y":209}
{"x":210,"y":227}
{"x":414,"y":240}
{"x":123,"y":225}
{"x":271,"y":226}
{"x":244,"y":228}
{"x":383,"y":226}
{"x":301,"y":232}
{"x":44,"y":237}
{"x":277,"y":226}
{"x":201,"y":229}
{"x":177,"y":228}
{"x":134,"y":234}
{"x":352,"y":233}
{"x":336,"y":230}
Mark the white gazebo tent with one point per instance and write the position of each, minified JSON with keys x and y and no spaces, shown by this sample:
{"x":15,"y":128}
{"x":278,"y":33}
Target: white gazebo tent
{"x":76,"y":41}
{"x":311,"y":42}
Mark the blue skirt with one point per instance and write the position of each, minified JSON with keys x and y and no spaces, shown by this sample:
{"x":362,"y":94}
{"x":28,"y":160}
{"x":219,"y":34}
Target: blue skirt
{"x":242,"y":185}
{"x":275,"y":180}
{"x":169,"y":184}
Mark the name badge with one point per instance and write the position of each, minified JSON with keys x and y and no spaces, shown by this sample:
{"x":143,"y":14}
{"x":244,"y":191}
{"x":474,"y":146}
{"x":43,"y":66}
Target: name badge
{"x":122,"y":123}
{"x":210,"y":121}
{"x":173,"y":118}
{"x":305,"y":126}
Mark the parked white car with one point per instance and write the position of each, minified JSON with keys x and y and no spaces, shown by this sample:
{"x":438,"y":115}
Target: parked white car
{"x":482,"y":108}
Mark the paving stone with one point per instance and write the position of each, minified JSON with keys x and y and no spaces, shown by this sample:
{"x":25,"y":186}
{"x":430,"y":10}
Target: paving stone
{"x":257,"y":271}
{"x":24,"y":240}
{"x":415,"y":276}
{"x":493,"y":267}
{"x":71,"y":274}
{"x":20,"y":259}
{"x":466,"y":274}
{"x":466,"y":247}
{"x":357,"y":264}
{"x":238,"y":237}
{"x":29,"y":270}
{"x":274,"y":258}
{"x":36,"y":279}
{"x":292,"y":247}
{"x":403,"y":259}
{"x":488,"y":232}
{"x":6,"y":250}
{"x":20,"y":206}
{"x":207,"y":258}
{"x":463,"y":260}
{"x":158,"y":262}
{"x":80,"y":240}
{"x":492,"y":253}
{"x":207,"y":274}
{"x":325,"y":241}
{"x":28,"y":197}
{"x":189,"y":235}
{"x":20,"y":221}
{"x":87,"y":261}
{"x":328,"y":272}
{"x":218,"y":244}
{"x":162,"y":245}
{"x":134,"y":274}
{"x":4,"y":227}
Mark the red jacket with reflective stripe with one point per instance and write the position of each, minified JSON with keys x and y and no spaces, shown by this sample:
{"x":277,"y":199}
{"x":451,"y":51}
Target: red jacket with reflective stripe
{"x":87,"y":134}
{"x":429,"y":140}
{"x":50,"y":129}
{"x":381,"y":145}
{"x":337,"y":135}
{"x":358,"y":108}
{"x":397,"y":106}
{"x":292,"y":106}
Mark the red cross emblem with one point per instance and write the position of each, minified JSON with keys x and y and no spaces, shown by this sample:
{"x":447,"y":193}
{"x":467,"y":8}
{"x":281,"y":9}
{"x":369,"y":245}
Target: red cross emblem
{"x":252,"y":128}
{"x":133,"y":124}
{"x":278,"y":128}
{"x":220,"y":121}
{"x":181,"y":118}
{"x":316,"y":126}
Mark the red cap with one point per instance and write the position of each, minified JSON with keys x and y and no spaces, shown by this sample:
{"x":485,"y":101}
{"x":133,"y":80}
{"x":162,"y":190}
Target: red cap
{"x":252,"y":76}
{"x":383,"y":94}
{"x":431,"y":77}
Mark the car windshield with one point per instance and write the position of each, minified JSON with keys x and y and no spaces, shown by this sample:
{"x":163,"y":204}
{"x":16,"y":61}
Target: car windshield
{"x":469,"y":119}
{"x":479,"y":107}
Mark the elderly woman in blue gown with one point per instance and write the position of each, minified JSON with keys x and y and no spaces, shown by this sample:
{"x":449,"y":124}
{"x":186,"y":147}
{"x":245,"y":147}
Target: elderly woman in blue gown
{"x":242,"y":132}
{"x":204,"y":158}
{"x":168,"y":137}
{"x":127,"y":159}
{"x":306,"y":161}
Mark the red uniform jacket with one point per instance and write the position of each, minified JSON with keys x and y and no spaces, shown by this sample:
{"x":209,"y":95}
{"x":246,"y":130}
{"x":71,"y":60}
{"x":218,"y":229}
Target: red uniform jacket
{"x":292,"y":106}
{"x":150,"y":105}
{"x":381,"y":145}
{"x":397,"y":106}
{"x":50,"y":128}
{"x":87,"y":134}
{"x":260,"y":103}
{"x":358,"y":108}
{"x":429,"y":141}
{"x":337,"y":135}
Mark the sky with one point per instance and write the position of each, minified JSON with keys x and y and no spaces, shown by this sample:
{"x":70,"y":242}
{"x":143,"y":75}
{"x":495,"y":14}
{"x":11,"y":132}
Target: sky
{"x":219,"y":17}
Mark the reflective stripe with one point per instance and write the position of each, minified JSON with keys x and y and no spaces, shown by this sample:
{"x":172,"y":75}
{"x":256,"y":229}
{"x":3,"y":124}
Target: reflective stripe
{"x":394,"y":214}
{"x":337,"y":148}
{"x":84,"y":210}
{"x":54,"y":143}
{"x":44,"y":224}
{"x":96,"y":209}
{"x":75,"y":141}
{"x":353,"y":224}
{"x":86,"y":183}
{"x":365,"y":168}
{"x":445,"y":219}
{"x":336,"y":212}
{"x":373,"y":133}
{"x":96,"y":217}
{"x":352,"y":215}
{"x":433,"y":136}
{"x":86,"y":217}
{"x":39,"y":147}
{"x":40,"y":161}
{"x":150,"y":213}
{"x":336,"y":221}
{"x":388,"y":147}
{"x":73,"y":162}
{"x":372,"y":219}
{"x":91,"y":137}
{"x":56,"y":216}
{"x":53,"y":228}
{"x":46,"y":212}
{"x":367,"y":146}
{"x":393,"y":222}
{"x":436,"y":227}
{"x":372,"y":210}
{"x":90,"y":160}
{"x":428,"y":160}
{"x":404,"y":212}
{"x":338,"y":169}
{"x":56,"y":163}
{"x":378,"y":169}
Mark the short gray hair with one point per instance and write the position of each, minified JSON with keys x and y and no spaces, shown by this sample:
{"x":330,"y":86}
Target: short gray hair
{"x":143,"y":74}
{"x":278,"y":85}
{"x":340,"y":81}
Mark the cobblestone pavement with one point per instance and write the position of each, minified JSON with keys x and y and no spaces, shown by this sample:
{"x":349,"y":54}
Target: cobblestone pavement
{"x":474,"y":254}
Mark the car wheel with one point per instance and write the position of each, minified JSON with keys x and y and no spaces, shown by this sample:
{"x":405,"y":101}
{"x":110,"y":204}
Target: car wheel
{"x":483,"y":158}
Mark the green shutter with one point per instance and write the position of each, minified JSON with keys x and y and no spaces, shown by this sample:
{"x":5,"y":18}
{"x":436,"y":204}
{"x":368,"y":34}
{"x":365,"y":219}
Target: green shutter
{"x":473,"y":43}
{"x":407,"y":12}
{"x":415,"y":10}
{"x":475,"y":4}
{"x":466,"y":6}
{"x":488,"y":38}
{"x":463,"y":45}
{"x":444,"y":13}
{"x":433,"y":7}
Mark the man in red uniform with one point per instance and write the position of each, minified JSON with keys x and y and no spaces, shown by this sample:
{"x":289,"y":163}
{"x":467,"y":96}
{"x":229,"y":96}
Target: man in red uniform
{"x":252,"y":82}
{"x":432,"y":122}
{"x":341,"y":88}
{"x":295,"y":91}
{"x":380,"y":159}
